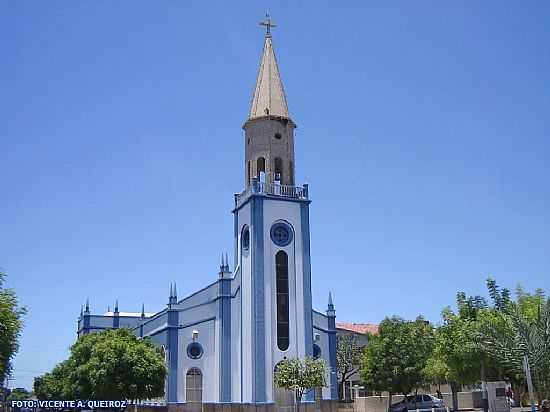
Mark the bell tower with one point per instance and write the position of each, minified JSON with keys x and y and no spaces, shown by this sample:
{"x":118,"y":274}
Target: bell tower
{"x":272,"y":245}
{"x":269,"y":130}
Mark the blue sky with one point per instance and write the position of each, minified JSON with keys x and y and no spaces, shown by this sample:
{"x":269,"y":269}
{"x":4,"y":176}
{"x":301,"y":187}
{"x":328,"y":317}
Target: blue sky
{"x":423,"y":131}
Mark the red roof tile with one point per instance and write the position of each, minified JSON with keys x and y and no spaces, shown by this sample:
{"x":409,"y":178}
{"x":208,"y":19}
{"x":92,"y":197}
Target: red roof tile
{"x":358,"y":327}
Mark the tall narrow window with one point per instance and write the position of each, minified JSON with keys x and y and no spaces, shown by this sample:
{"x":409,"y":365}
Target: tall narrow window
{"x":248,"y":174}
{"x":260,"y":169}
{"x":279,"y":169}
{"x":281,"y":271}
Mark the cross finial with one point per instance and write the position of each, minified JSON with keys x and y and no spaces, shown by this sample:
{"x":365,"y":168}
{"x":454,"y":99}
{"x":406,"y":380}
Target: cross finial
{"x":268,"y":25}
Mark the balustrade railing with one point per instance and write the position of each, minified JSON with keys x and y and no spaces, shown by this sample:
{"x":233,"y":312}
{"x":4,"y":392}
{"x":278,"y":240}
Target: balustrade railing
{"x":272,"y":189}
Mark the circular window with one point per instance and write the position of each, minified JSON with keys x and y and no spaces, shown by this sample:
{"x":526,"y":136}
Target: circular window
{"x":194,"y":350}
{"x":278,"y":136}
{"x":245,"y":238}
{"x":316,"y":351}
{"x":281,"y":234}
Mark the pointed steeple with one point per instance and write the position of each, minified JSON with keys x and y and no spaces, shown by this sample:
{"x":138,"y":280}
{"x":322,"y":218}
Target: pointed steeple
{"x":269,"y":97}
{"x":330,"y":307}
{"x":224,"y":267}
{"x":143,"y":310}
{"x":116,"y":306}
{"x":269,"y":130}
{"x":81,"y":310}
{"x":87,"y":309}
{"x":170,"y":296}
{"x":175,"y":293}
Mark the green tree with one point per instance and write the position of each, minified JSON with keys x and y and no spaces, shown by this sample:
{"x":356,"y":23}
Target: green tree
{"x":395,"y":359}
{"x":56,"y":384}
{"x":19,"y":394}
{"x":522,"y":329}
{"x":456,"y":357}
{"x":113,"y":364}
{"x":300,"y":376}
{"x":348,"y":359}
{"x":10,"y":327}
{"x":436,"y":370}
{"x":459,"y":356}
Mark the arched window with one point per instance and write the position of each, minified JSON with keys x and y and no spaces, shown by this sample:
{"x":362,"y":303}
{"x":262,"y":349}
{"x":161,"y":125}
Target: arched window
{"x":245,"y":239}
{"x":279,"y":169}
{"x":281,"y":271}
{"x":260,"y":169}
{"x":193,"y":390}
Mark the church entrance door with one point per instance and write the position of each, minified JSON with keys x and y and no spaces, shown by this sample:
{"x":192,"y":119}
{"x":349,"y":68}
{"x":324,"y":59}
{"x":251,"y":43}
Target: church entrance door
{"x":193,"y":390}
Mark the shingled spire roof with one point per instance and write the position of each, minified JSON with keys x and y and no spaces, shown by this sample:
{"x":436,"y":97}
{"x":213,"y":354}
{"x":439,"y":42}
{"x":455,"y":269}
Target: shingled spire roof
{"x":269,"y":95}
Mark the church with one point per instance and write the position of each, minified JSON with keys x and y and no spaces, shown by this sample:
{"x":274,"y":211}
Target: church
{"x":223,"y":342}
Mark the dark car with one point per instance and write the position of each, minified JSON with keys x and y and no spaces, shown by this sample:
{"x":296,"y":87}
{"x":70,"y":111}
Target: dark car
{"x":422,"y":402}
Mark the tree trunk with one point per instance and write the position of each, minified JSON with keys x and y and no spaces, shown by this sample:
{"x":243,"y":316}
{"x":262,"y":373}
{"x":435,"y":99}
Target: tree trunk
{"x":389,"y":401}
{"x":454,"y":391}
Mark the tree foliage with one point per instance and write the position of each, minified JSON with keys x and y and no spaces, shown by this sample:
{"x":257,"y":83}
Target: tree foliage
{"x":396,"y":357}
{"x":56,"y":384}
{"x":19,"y":394}
{"x":10,"y":327}
{"x":300,"y":376}
{"x":348,"y":358}
{"x":521,"y":328}
{"x":113,"y":364}
{"x":457,"y":356}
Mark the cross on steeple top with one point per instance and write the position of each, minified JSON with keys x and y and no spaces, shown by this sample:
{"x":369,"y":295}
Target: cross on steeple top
{"x":268,"y":25}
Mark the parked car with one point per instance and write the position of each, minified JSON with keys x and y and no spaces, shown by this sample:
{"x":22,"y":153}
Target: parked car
{"x":422,"y":402}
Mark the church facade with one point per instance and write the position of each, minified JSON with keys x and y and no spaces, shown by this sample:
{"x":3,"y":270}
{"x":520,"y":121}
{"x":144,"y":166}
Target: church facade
{"x":223,"y":342}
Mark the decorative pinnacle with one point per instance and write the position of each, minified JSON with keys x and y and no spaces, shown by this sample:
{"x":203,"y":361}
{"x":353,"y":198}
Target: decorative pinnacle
{"x":222,"y":264}
{"x":175,"y":292}
{"x":81,"y":310}
{"x":171,"y":290}
{"x":268,"y":24}
{"x":226,"y":263}
{"x":330,"y":304}
{"x":87,"y":310}
{"x":116,"y":306}
{"x":143,"y":310}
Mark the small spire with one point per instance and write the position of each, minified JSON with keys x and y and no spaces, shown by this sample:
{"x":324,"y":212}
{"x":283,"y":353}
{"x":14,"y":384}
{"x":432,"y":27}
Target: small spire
{"x":226,"y":263}
{"x":175,"y":292}
{"x":330,"y":307}
{"x":143,"y":310}
{"x":116,"y":306}
{"x":108,"y":308}
{"x":87,"y":310}
{"x":81,"y":310}
{"x":171,"y":290}
{"x":222,"y":265}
